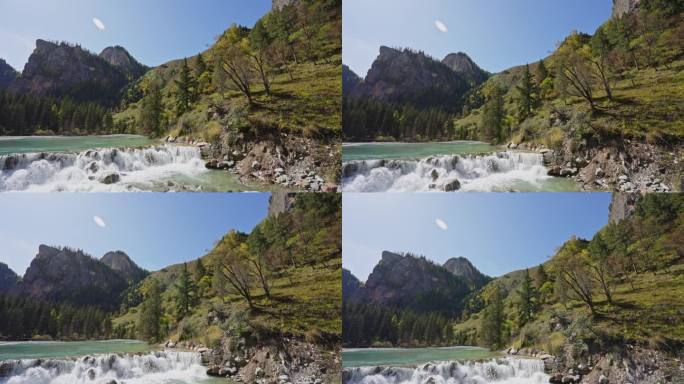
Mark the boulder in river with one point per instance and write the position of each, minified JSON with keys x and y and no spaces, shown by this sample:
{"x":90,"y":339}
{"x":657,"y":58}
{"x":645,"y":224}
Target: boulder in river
{"x":452,"y":186}
{"x":110,"y":178}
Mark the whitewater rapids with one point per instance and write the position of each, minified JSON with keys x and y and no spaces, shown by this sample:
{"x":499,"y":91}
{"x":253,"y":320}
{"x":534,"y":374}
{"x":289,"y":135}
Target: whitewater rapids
{"x":137,"y":168}
{"x":502,"y":171}
{"x":154,"y":367}
{"x":500,"y":371}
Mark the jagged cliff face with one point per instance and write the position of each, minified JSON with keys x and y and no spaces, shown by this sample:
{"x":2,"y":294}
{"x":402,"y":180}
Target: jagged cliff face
{"x":71,"y":276}
{"x":620,"y":7}
{"x":349,"y":80}
{"x":121,"y":263}
{"x":119,"y":57}
{"x":7,"y":74}
{"x":463,"y":65}
{"x":466,"y":271}
{"x":622,"y":206}
{"x":279,"y":4}
{"x":280,"y":202}
{"x":405,"y":76}
{"x":350,"y":284}
{"x":8,"y":279}
{"x":62,"y":69}
{"x":405,"y":281}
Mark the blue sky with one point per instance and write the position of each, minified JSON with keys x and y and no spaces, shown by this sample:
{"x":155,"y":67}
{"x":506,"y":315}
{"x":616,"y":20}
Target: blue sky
{"x":154,"y":229}
{"x":496,"y":34}
{"x":153,"y":31}
{"x":497,"y":232}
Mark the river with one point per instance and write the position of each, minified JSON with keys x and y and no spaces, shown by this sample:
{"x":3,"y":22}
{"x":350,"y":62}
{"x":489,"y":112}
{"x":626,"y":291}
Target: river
{"x":98,"y":362}
{"x":453,"y":365}
{"x":83,"y":164}
{"x":425,"y":167}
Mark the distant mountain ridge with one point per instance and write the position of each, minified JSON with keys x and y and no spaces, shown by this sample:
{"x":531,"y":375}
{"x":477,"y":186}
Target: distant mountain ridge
{"x":408,"y":76}
{"x":7,"y":74}
{"x":72,"y":276}
{"x":61,"y":69}
{"x":410,"y":282}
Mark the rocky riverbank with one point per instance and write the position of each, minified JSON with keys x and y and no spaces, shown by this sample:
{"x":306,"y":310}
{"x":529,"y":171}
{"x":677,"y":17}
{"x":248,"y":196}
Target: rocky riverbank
{"x":628,"y":364}
{"x":289,"y":161}
{"x":283,"y":361}
{"x":624,"y":166}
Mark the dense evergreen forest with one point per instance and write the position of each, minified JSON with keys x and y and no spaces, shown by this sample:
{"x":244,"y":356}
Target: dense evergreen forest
{"x":25,"y":115}
{"x":23,"y":318}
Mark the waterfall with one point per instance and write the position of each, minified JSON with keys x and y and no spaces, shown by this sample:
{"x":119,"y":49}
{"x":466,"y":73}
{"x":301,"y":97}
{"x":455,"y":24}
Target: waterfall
{"x":153,"y":367}
{"x":85,"y":171}
{"x":498,"y":171}
{"x":502,"y":371}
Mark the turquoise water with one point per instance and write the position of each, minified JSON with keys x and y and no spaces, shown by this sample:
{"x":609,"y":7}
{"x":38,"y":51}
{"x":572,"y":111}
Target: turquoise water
{"x":374,"y":151}
{"x":29,"y":144}
{"x":57,"y":349}
{"x":411,"y":356}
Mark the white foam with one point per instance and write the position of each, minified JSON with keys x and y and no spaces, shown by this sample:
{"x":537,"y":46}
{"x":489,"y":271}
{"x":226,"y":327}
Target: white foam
{"x":498,"y":171}
{"x":137,"y":167}
{"x":154,"y":367}
{"x":501,"y":371}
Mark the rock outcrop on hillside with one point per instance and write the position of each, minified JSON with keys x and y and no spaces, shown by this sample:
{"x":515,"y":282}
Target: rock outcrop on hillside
{"x":64,"y":274}
{"x":620,"y":7}
{"x":350,"y":284}
{"x":7,"y":74}
{"x":463,"y":65}
{"x":8,"y":279}
{"x":61,"y":69}
{"x":407,"y":281}
{"x":407,"y":76}
{"x":121,"y":263}
{"x":119,"y":57}
{"x":281,"y":202}
{"x":349,"y":80}
{"x":466,"y":271}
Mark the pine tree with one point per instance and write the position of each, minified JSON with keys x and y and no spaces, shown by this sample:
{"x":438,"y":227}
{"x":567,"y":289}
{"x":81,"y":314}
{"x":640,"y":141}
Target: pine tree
{"x":200,"y":271}
{"x":527,"y":299}
{"x":200,"y":65}
{"x":493,"y":115}
{"x":542,"y":276}
{"x":185,"y":293}
{"x":151,"y":314}
{"x":492,"y":326}
{"x":527,"y":95}
{"x":151,"y":111}
{"x":542,"y":71}
{"x":185,"y":89}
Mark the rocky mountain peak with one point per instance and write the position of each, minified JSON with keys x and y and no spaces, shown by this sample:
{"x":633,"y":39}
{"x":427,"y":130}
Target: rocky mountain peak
{"x":65,"y":274}
{"x":464,"y":269}
{"x":409,"y":76}
{"x":8,"y":278}
{"x":405,"y":281}
{"x":60,"y":69}
{"x":349,"y":80}
{"x":119,"y":57}
{"x":120,"y":262}
{"x":280,"y":202}
{"x":7,"y":74}
{"x":350,"y":284}
{"x":462,"y":64}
